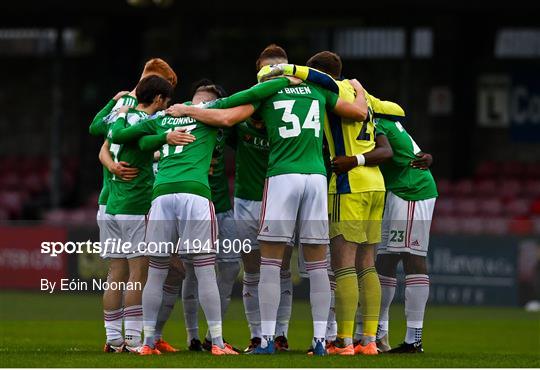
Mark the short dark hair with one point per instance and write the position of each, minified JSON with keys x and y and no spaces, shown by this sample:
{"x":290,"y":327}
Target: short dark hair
{"x":150,"y":87}
{"x":271,"y":51}
{"x":207,"y":85}
{"x":326,"y":62}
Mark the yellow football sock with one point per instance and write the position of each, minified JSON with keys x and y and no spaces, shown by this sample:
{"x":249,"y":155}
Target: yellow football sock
{"x":370,"y":299}
{"x":346,"y":301}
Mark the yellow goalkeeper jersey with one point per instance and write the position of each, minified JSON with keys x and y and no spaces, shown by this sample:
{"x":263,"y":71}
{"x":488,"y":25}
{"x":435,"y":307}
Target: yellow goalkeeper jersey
{"x":346,"y":137}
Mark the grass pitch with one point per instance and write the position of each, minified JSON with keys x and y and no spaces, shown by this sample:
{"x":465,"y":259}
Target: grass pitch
{"x":43,"y":330}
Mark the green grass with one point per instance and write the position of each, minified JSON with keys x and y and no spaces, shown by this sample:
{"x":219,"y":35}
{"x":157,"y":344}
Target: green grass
{"x":42,"y":330}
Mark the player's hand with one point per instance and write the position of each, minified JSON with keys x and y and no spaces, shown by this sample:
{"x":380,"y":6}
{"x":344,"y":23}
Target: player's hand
{"x":275,"y":70}
{"x":124,"y":171}
{"x":424,"y":161}
{"x":120,"y":94}
{"x":213,"y":162}
{"x":123,"y":109}
{"x":356,"y":85}
{"x":343,"y":164}
{"x":294,"y":80}
{"x":179,"y":137}
{"x":176,"y":110}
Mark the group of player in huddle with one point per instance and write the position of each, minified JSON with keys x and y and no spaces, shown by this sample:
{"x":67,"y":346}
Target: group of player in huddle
{"x":293,"y":130}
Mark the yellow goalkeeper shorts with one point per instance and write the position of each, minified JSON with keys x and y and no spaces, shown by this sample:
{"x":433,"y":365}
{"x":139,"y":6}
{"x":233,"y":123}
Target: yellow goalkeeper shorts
{"x":356,"y":216}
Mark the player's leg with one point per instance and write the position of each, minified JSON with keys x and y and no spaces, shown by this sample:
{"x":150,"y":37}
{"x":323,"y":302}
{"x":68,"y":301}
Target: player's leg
{"x":171,"y":290}
{"x":285,"y":303}
{"x":190,"y":303}
{"x":348,"y":229}
{"x":198,"y":238}
{"x":133,"y":228}
{"x":331,"y":326}
{"x":133,"y":313}
{"x":416,"y":239}
{"x":269,"y":290}
{"x":281,"y":201}
{"x":250,"y":296}
{"x":113,"y":310}
{"x":368,"y":279}
{"x":370,"y":295}
{"x":161,"y":229}
{"x":319,"y":293}
{"x":386,"y":266}
{"x":343,"y":255}
{"x":416,"y":295}
{"x":313,"y":235}
{"x":228,"y":261}
{"x":246,"y":215}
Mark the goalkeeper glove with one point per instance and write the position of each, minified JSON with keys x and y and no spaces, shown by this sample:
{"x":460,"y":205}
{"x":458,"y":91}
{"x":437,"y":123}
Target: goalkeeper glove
{"x":275,"y":70}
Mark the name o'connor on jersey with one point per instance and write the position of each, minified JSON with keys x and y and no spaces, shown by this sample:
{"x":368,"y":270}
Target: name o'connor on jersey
{"x":177,"y":121}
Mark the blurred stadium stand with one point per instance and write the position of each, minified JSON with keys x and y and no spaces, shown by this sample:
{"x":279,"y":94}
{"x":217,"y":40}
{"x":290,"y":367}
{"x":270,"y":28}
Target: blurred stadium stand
{"x":62,"y":61}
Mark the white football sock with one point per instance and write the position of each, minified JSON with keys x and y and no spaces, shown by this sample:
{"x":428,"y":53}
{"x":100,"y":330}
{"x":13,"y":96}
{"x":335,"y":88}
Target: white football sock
{"x":113,"y":326}
{"x":250,"y":295}
{"x":226,"y":277}
{"x":416,"y":296}
{"x":285,"y":303}
{"x":190,"y":301}
{"x":388,"y":290}
{"x":331,"y":326}
{"x":205,"y":270}
{"x":133,"y":325}
{"x":152,"y":296}
{"x":269,"y":297}
{"x":319,"y":295}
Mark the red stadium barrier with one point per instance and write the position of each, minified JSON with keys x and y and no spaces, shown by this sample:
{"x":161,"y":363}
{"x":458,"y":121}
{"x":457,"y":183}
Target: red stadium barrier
{"x":22,"y":265}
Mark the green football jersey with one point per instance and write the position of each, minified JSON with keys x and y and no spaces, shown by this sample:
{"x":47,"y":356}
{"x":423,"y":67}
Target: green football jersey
{"x":252,"y":149}
{"x":181,"y":169}
{"x":100,"y":127}
{"x":219,"y":183}
{"x":131,"y":197}
{"x":399,"y":177}
{"x":293,"y":118}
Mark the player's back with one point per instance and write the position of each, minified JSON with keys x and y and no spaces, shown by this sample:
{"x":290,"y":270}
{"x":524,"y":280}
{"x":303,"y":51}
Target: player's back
{"x":348,"y":138}
{"x":402,"y":179}
{"x":252,"y":150}
{"x":133,"y":196}
{"x":189,"y":163}
{"x":293,"y":119}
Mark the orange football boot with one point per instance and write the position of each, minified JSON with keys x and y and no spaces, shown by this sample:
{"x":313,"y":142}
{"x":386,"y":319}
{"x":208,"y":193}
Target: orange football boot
{"x":332,"y":349}
{"x":146,"y":350}
{"x":370,"y":349}
{"x":226,"y":350}
{"x":164,"y":346}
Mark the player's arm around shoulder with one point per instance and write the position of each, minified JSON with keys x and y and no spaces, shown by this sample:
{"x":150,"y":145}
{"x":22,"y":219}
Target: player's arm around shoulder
{"x":381,"y":153}
{"x":98,"y":126}
{"x":357,"y":110}
{"x":122,"y":133}
{"x":213,"y":117}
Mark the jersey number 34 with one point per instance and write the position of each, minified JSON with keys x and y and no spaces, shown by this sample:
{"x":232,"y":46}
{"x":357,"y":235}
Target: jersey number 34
{"x":312,"y":120}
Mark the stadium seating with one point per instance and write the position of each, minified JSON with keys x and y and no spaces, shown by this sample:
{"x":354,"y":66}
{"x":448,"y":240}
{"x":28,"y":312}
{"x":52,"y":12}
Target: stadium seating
{"x":499,"y":198}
